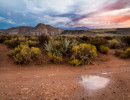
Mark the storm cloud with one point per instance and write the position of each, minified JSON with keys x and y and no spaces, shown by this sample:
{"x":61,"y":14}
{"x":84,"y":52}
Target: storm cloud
{"x":65,"y":13}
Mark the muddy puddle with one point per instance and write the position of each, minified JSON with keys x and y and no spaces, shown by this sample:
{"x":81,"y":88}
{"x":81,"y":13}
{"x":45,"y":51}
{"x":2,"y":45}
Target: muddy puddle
{"x":94,"y":82}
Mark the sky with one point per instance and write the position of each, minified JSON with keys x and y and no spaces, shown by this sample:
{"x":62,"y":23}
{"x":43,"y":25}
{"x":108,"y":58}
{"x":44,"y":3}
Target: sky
{"x":65,"y":14}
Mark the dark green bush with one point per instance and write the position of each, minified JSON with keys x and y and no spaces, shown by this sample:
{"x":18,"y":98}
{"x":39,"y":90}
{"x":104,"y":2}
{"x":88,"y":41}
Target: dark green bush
{"x":3,"y":38}
{"x":43,"y":38}
{"x":83,"y":39}
{"x":126,"y":39}
{"x":108,"y":37}
{"x":98,"y":42}
{"x":14,"y":42}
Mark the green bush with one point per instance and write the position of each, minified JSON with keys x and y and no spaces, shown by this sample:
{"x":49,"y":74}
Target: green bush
{"x":97,"y":42}
{"x":104,"y":49}
{"x":126,"y":53}
{"x":114,"y":44}
{"x":33,"y":38}
{"x":126,"y":39}
{"x":55,"y":57}
{"x":23,"y":54}
{"x":83,"y":54}
{"x":57,"y":49}
{"x":3,"y":38}
{"x":35,"y":53}
{"x":108,"y":37}
{"x":43,"y":38}
{"x":14,"y":42}
{"x":32,"y":43}
{"x":84,"y":39}
{"x":55,"y":46}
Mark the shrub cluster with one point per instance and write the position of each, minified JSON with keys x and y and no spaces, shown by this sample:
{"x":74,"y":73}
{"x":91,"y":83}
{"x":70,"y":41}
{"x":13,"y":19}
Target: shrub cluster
{"x":32,"y":43}
{"x":126,"y":39}
{"x":55,"y":57}
{"x":3,"y":38}
{"x":97,"y":42}
{"x":57,"y":49}
{"x":83,"y":39}
{"x":104,"y":49}
{"x":114,"y":43}
{"x":43,"y":38}
{"x":23,"y":54}
{"x":126,"y":53}
{"x":83,"y":54}
{"x":14,"y":42}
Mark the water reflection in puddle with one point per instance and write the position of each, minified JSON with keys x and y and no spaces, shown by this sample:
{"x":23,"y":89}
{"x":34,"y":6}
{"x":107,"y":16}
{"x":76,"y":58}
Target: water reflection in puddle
{"x":94,"y":82}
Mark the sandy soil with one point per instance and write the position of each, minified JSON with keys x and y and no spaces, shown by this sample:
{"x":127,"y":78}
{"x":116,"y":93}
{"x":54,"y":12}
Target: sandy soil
{"x":62,"y":82}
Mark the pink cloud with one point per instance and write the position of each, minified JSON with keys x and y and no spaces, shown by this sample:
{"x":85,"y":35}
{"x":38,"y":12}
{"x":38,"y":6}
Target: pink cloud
{"x":114,"y":15}
{"x":120,"y":4}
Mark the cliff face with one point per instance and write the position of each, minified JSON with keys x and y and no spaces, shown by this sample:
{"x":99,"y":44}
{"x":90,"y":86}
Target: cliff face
{"x":38,"y":30}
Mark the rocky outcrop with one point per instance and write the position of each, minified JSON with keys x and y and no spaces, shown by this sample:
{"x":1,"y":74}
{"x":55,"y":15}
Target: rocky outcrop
{"x":38,"y":30}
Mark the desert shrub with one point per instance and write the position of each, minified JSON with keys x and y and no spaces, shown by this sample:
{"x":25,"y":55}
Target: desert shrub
{"x":33,"y":38}
{"x":49,"y":47}
{"x":83,"y":54}
{"x":43,"y":38}
{"x":108,"y":37}
{"x":55,"y":57}
{"x":73,"y":43}
{"x":23,"y":54}
{"x":57,"y":49}
{"x":55,"y":46}
{"x":126,"y":53}
{"x":84,"y":39}
{"x":3,"y":38}
{"x":97,"y":42}
{"x":64,"y":46}
{"x":104,"y":49}
{"x":14,"y":42}
{"x":32,"y":43}
{"x":114,"y":43}
{"x":126,"y":39}
{"x":35,"y":53}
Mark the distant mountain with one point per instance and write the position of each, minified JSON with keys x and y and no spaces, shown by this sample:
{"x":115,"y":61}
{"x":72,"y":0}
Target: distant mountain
{"x":78,"y":28}
{"x":37,"y":30}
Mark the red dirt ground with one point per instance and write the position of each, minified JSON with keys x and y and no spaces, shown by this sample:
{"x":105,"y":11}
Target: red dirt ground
{"x":61,"y":82}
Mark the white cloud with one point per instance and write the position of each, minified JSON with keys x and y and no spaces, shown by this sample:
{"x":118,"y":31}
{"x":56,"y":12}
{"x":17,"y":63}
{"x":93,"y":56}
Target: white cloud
{"x":123,"y":11}
{"x":10,"y":22}
{"x":41,"y":6}
{"x":88,"y":6}
{"x":2,"y":19}
{"x":53,"y":20}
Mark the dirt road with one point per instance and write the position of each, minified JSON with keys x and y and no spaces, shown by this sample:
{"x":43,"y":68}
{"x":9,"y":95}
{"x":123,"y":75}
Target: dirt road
{"x":62,"y":82}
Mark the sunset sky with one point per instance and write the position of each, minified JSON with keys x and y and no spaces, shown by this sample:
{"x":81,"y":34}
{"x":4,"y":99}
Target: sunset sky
{"x":65,"y":13}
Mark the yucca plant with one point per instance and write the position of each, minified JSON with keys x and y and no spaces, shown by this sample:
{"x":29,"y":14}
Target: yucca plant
{"x":49,"y":46}
{"x":64,"y":45}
